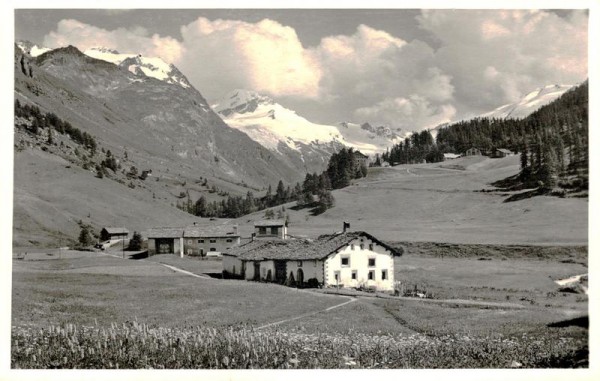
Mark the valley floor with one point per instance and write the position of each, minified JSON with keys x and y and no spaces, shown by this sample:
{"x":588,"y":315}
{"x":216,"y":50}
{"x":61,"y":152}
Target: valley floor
{"x":99,"y":290}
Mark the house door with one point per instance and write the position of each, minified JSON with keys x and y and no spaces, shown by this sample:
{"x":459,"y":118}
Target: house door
{"x":280,"y":272}
{"x":256,"y":270}
{"x":300,"y":276}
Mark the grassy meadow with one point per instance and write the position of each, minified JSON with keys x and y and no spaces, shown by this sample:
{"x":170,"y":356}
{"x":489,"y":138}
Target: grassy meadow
{"x":93,"y":310}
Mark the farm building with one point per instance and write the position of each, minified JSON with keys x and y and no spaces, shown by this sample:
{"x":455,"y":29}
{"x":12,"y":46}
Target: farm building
{"x":361,"y":158}
{"x":165,"y":241}
{"x":209,"y":241}
{"x":270,"y":229}
{"x":113,"y":234}
{"x":501,"y":152}
{"x":351,"y":259}
{"x":192,"y":240}
{"x":473,"y":152}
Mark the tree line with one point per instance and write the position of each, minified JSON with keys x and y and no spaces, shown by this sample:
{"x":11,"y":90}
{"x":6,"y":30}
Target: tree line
{"x":416,"y":148}
{"x":314,"y":191}
{"x":40,"y":120}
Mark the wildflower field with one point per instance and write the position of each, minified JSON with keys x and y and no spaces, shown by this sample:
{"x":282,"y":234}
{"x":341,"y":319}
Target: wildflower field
{"x":136,"y":345}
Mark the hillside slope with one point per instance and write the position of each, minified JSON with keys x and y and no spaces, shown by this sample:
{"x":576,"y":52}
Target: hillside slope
{"x":145,"y":123}
{"x":442,"y":202}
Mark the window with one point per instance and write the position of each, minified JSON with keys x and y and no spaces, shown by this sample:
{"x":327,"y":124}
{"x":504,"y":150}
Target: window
{"x":383,"y":274}
{"x":345,"y":261}
{"x":213,"y":241}
{"x":212,"y":249}
{"x":371,"y":262}
{"x":274,"y":231}
{"x":354,"y":275}
{"x":362,"y":246}
{"x":262,"y":230}
{"x":200,"y":241}
{"x":371,"y":275}
{"x":229,"y":240}
{"x":351,"y":246}
{"x":371,"y":246}
{"x":299,"y":263}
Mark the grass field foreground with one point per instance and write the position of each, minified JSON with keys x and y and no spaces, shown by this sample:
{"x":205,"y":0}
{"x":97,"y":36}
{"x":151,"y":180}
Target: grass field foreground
{"x":138,"y":346}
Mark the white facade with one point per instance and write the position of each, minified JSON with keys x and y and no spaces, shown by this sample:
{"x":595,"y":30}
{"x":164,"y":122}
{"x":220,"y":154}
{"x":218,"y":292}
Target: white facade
{"x":361,"y":263}
{"x":310,"y":268}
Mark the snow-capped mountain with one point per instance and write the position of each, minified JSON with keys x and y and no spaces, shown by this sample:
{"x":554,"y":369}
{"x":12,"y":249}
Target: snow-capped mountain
{"x":31,"y":48}
{"x":281,"y":129}
{"x":530,"y":103}
{"x":173,"y":123}
{"x":152,"y":67}
{"x":370,"y":139}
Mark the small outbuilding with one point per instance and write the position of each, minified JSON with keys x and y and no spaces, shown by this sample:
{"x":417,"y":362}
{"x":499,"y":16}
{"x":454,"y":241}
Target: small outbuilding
{"x":113,"y":234}
{"x":451,"y":156}
{"x":353,"y":259}
{"x":501,"y":152}
{"x":270,"y":229}
{"x":473,"y":152}
{"x":361,"y":159}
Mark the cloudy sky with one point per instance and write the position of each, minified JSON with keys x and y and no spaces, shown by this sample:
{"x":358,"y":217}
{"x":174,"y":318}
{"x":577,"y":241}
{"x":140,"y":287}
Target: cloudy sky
{"x":406,"y":68}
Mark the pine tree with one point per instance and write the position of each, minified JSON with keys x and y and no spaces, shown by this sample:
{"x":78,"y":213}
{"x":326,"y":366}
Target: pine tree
{"x":85,"y":238}
{"x":135,"y":243}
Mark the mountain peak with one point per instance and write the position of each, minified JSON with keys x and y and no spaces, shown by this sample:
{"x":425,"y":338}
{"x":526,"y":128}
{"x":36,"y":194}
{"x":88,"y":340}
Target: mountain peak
{"x":529,"y":103}
{"x":30,"y":48}
{"x":241,"y":101}
{"x":137,"y":64}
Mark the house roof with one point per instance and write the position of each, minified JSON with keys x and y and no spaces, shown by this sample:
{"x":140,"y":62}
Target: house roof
{"x":164,"y":232}
{"x":267,"y":223}
{"x":360,"y":154}
{"x":300,"y":249}
{"x":112,"y":230}
{"x":210,"y":231}
{"x":503,"y":150}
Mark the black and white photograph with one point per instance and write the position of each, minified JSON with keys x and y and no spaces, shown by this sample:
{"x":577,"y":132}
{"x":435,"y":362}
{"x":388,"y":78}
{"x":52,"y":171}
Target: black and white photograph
{"x":341,"y":187}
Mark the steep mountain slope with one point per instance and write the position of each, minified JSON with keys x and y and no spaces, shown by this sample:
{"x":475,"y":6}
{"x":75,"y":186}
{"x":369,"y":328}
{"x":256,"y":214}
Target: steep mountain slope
{"x":152,"y":124}
{"x":283,"y":130}
{"x":530,"y":103}
{"x":165,"y":118}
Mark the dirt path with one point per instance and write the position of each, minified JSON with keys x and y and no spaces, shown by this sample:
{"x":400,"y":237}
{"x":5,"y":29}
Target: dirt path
{"x":352,"y":299}
{"x":462,"y":302}
{"x":177,"y":269}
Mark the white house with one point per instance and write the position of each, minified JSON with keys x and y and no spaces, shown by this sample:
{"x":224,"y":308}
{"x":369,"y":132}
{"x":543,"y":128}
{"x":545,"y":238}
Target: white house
{"x":353,"y":259}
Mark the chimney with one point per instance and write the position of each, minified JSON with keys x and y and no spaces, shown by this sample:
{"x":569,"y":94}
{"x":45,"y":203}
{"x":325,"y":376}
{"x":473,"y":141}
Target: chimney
{"x":235,"y":227}
{"x":252,"y":237}
{"x":346,"y":226}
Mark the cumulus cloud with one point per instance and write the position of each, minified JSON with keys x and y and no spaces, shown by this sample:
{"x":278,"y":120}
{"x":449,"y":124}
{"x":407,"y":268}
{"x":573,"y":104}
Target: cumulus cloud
{"x":483,"y":59}
{"x":495,"y":57}
{"x":125,"y":40}
{"x":265,"y":56}
{"x":412,"y":113}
